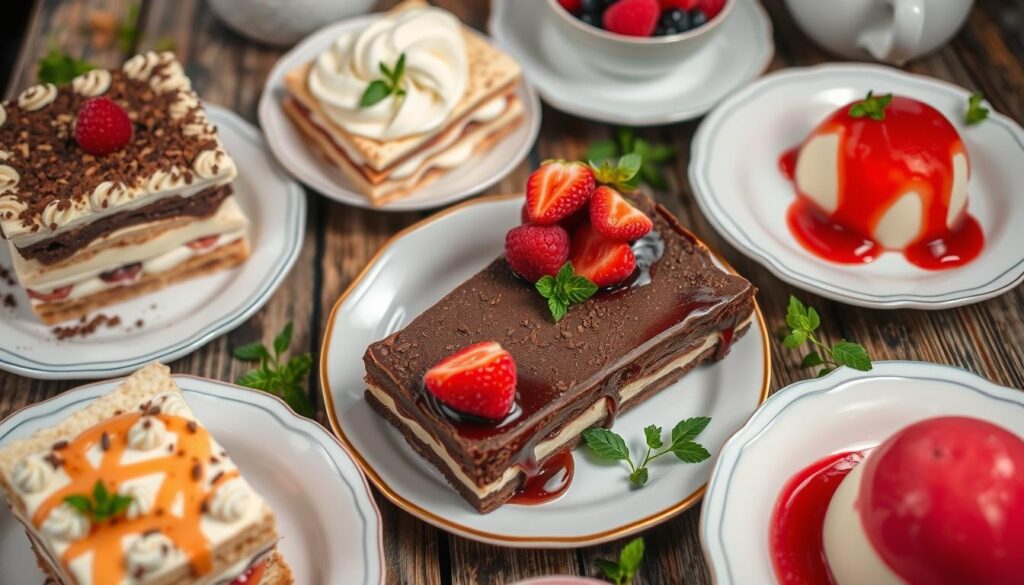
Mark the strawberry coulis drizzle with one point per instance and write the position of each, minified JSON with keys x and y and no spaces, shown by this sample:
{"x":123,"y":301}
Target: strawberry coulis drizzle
{"x":879,"y":161}
{"x":797,"y":524}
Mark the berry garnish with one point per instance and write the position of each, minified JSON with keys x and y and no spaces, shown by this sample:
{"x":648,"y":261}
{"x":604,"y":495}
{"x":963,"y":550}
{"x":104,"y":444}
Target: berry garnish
{"x":710,"y":8}
{"x":673,"y":21}
{"x":203,"y":243}
{"x":613,"y":217}
{"x":102,"y":127}
{"x":634,"y":18}
{"x":126,"y":273}
{"x":479,"y":380}
{"x":604,"y":261}
{"x":557,"y":189}
{"x":668,"y":5}
{"x":534,"y":251}
{"x":56,"y":294}
{"x":572,"y":6}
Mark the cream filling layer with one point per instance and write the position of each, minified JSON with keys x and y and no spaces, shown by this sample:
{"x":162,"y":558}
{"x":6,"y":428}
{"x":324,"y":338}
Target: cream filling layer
{"x":16,"y":233}
{"x":595,"y":414}
{"x":488,"y":112}
{"x":37,"y":276}
{"x":160,"y":263}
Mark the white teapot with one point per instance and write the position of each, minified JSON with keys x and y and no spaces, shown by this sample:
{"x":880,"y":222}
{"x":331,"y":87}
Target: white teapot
{"x":893,"y":31}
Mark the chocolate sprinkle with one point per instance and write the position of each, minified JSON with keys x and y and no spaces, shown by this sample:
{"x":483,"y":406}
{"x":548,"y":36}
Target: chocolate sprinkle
{"x":105,"y":441}
{"x":197,"y":471}
{"x":60,"y":445}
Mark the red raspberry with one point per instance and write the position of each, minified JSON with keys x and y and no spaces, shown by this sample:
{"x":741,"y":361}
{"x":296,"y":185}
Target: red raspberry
{"x":680,"y":4}
{"x":534,"y":251}
{"x":102,"y":127}
{"x":572,"y":6}
{"x":634,"y":18}
{"x":711,"y":8}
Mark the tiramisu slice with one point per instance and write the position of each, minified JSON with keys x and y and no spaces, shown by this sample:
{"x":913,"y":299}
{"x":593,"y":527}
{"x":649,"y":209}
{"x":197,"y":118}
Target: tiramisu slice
{"x":408,"y":98}
{"x":133,"y":490}
{"x":440,"y":380}
{"x":114,"y":186}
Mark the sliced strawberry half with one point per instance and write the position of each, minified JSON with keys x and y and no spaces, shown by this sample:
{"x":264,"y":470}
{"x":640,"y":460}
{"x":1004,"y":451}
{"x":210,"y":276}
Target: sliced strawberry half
{"x":604,"y":261}
{"x":126,"y":273}
{"x":613,"y":217}
{"x":479,"y":380}
{"x":557,"y":189}
{"x":57,"y":294}
{"x":203,"y":243}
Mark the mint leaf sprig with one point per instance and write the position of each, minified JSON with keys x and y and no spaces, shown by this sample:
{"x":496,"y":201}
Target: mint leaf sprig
{"x":623,"y":571}
{"x":871,"y":107}
{"x":103,"y":504}
{"x":564,"y":290}
{"x":803,"y":321}
{"x":653,"y":156}
{"x":610,"y":446}
{"x":380,"y":89}
{"x":59,"y":68}
{"x":975,"y":111}
{"x":283,"y":380}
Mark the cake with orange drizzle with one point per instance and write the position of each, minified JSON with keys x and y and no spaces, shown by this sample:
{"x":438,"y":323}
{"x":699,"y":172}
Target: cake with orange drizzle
{"x":133,"y":490}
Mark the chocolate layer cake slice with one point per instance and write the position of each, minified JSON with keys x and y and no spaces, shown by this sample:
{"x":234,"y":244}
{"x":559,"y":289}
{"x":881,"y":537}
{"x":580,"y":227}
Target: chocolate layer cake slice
{"x":605,"y":356}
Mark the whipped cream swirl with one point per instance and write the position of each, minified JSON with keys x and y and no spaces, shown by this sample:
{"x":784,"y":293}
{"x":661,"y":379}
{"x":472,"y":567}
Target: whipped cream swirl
{"x":91,"y":83}
{"x":212,"y":164}
{"x":59,"y":212}
{"x":231,"y":501}
{"x":66,"y":523}
{"x":37,"y":97}
{"x":436,"y":74}
{"x":109,"y":194}
{"x":141,"y":503}
{"x":147,"y":434}
{"x":32,"y":474}
{"x":149,"y":552}
{"x":9,"y":178}
{"x":141,"y":66}
{"x":11,"y":207}
{"x":3,"y":115}
{"x":174,"y":405}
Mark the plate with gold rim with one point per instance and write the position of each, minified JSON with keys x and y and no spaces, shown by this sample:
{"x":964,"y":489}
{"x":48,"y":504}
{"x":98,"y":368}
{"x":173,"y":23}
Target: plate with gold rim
{"x":399,"y":283}
{"x":329,"y":524}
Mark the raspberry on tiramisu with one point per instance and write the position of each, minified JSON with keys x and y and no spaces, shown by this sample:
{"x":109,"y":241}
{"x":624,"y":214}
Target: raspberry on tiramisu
{"x":108,"y":187}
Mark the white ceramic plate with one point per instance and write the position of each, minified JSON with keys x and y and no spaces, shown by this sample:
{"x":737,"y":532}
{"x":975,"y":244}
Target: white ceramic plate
{"x":306,"y":163}
{"x":329,"y":524}
{"x":400,"y":283}
{"x":746,"y":201}
{"x":807,"y":421}
{"x":739,"y":53}
{"x":181,"y":318}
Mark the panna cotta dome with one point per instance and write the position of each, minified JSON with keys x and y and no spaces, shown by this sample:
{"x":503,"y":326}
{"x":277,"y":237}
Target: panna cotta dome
{"x":941,"y":502}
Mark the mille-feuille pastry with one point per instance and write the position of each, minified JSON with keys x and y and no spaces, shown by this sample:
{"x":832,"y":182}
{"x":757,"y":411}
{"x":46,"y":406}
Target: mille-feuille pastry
{"x":114,"y":186}
{"x":455,"y":96}
{"x":133,"y":490}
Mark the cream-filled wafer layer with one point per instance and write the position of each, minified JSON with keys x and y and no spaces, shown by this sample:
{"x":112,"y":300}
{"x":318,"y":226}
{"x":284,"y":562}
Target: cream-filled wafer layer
{"x":593,"y":415}
{"x":38,"y":276}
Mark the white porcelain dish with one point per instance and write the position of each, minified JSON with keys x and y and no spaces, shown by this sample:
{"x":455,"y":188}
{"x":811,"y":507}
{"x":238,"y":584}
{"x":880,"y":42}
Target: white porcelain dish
{"x":400,"y":283}
{"x":739,"y":51}
{"x":329,"y":524}
{"x":181,"y":318}
{"x":307,"y":164}
{"x":747,"y":202}
{"x":807,"y":421}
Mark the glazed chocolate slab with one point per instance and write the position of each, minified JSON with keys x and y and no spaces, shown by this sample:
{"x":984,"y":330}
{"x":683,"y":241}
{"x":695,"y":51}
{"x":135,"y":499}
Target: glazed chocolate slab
{"x":635,"y":334}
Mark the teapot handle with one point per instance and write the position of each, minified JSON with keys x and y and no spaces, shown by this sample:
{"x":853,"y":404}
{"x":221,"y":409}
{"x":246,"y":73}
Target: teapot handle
{"x":904,"y":41}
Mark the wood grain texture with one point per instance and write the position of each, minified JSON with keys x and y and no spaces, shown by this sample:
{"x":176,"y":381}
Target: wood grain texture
{"x":986,"y":338}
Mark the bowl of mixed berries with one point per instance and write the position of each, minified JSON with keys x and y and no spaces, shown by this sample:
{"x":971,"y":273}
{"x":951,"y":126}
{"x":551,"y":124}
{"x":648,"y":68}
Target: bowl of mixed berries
{"x":639,"y":38}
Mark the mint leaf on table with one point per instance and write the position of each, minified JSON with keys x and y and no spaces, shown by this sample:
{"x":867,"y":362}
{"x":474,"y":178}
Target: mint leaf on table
{"x":380,"y":89}
{"x":871,"y":107}
{"x":59,"y":68}
{"x":564,"y":290}
{"x":609,"y":446}
{"x":283,"y":379}
{"x":623,"y":571}
{"x":802,"y":322}
{"x":975,"y":111}
{"x":652,"y":156}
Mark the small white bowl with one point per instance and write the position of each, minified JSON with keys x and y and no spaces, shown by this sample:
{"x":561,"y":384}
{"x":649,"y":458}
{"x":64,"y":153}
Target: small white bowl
{"x":636,"y":57}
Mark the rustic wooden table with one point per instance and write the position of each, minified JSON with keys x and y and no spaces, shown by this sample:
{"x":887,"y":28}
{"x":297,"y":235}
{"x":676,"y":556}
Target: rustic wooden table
{"x":986,"y":338}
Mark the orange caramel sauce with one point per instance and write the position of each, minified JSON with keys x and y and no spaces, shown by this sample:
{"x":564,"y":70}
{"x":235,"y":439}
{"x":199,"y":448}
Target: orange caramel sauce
{"x":184,"y":472}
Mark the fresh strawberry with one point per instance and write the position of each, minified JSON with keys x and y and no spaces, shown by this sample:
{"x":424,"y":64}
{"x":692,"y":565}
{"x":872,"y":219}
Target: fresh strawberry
{"x":536,"y":250}
{"x":102,"y":127}
{"x":634,"y":18}
{"x":613,"y":217}
{"x":126,"y":273}
{"x":680,"y":4}
{"x":478,"y":380}
{"x":57,"y":294}
{"x":572,"y":6}
{"x":710,"y":8}
{"x":203,"y":243}
{"x":574,"y":221}
{"x":557,"y":189}
{"x":605,"y":262}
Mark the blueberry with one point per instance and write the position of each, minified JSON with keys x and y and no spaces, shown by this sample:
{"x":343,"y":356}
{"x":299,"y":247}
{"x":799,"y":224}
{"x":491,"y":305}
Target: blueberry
{"x":591,"y":6}
{"x":698,"y":18}
{"x":676,"y":19}
{"x":660,"y":31}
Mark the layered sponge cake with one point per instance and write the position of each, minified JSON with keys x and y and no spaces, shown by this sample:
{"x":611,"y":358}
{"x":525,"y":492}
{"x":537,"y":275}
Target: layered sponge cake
{"x":114,"y":186}
{"x":133,"y":490}
{"x":455,"y":96}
